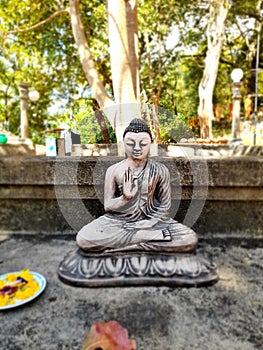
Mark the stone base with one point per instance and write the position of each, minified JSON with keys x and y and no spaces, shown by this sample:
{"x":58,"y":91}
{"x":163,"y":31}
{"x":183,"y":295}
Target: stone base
{"x":133,"y":269}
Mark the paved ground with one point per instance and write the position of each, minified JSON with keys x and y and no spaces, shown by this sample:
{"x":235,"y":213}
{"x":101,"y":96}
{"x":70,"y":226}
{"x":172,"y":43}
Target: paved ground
{"x":226,"y":316}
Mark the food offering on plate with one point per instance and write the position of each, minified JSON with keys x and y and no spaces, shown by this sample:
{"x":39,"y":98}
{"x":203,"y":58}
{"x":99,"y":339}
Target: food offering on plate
{"x":17,"y":288}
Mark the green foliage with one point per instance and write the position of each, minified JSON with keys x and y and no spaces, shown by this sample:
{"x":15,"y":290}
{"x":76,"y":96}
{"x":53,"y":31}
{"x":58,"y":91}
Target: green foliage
{"x":171,"y":63}
{"x":174,"y":127}
{"x":87,"y":125}
{"x":45,"y":58}
{"x":80,"y":117}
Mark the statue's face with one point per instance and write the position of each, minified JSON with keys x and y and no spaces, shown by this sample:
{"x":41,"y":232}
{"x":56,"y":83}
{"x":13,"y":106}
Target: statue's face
{"x":137,"y":145}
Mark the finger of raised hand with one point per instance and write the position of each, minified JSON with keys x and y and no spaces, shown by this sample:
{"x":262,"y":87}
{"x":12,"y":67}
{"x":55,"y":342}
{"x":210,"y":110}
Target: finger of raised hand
{"x":135,"y":185}
{"x":128,"y":175}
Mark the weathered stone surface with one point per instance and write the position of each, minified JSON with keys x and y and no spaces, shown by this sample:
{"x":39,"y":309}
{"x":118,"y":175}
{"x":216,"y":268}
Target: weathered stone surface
{"x":17,"y":149}
{"x":46,"y":215}
{"x":234,"y":171}
{"x":226,"y":316}
{"x":175,"y":150}
{"x":46,"y":194}
{"x":237,"y":218}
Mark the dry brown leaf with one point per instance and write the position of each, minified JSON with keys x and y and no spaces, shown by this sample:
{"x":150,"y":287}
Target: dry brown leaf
{"x":108,"y":336}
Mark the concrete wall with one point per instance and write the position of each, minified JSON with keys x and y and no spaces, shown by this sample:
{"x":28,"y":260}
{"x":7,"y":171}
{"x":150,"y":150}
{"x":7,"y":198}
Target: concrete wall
{"x":18,"y":148}
{"x":217,"y":195}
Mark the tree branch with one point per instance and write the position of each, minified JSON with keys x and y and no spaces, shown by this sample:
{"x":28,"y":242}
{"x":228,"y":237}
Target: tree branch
{"x":39,"y":24}
{"x":244,"y":36}
{"x":86,"y":59}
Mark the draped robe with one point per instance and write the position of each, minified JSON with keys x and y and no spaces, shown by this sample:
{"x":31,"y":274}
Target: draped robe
{"x":153,"y":200}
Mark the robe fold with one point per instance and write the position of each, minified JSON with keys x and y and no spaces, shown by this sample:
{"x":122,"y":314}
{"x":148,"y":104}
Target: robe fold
{"x":153,"y":200}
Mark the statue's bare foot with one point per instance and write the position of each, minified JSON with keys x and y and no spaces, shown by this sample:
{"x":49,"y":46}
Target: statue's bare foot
{"x":151,"y":235}
{"x":161,"y":235}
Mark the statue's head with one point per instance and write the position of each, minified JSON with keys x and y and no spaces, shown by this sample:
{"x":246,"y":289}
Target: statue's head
{"x":137,"y":126}
{"x":137,"y":139}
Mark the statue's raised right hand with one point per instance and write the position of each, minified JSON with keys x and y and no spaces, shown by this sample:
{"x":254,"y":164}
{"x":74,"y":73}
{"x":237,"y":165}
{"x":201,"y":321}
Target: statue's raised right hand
{"x":130,"y":185}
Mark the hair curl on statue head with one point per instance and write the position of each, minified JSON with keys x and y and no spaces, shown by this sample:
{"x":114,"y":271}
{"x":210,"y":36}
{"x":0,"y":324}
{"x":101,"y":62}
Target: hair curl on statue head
{"x":137,"y":125}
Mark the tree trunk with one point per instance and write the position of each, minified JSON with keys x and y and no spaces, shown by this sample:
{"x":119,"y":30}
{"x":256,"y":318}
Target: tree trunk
{"x":123,"y":39}
{"x":154,"y":97}
{"x":251,"y":42}
{"x":215,"y":37}
{"x":86,"y":58}
{"x":122,"y":19}
{"x":103,"y":126}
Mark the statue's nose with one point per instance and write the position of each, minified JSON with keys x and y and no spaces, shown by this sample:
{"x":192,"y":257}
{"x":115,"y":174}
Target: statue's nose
{"x":137,"y":147}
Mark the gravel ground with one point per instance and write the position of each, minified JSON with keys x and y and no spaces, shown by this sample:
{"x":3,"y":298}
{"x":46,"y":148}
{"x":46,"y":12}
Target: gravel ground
{"x":226,"y":316}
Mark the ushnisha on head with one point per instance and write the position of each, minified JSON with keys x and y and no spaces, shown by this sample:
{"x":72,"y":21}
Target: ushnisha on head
{"x":137,"y":140}
{"x":137,"y":125}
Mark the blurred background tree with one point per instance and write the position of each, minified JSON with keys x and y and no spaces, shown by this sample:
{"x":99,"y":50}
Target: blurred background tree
{"x":38,"y":47}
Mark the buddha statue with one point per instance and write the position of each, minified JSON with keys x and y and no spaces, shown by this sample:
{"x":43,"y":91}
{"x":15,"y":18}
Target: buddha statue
{"x":136,"y":242}
{"x":137,"y":201}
